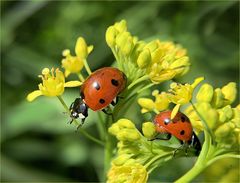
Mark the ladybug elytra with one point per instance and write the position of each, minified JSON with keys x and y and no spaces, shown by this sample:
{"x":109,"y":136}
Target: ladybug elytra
{"x":180,"y":127}
{"x":99,"y":90}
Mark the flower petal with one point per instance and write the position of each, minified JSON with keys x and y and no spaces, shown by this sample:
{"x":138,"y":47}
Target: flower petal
{"x":90,"y":48}
{"x":197,"y":81}
{"x":72,"y":84}
{"x":175,"y":110}
{"x":31,"y":96}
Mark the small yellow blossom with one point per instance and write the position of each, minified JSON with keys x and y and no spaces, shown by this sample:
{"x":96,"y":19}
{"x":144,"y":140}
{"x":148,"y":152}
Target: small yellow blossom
{"x":71,"y":64}
{"x":74,"y":64}
{"x":131,"y":173}
{"x":161,"y":102}
{"x":149,"y":130}
{"x":52,"y":84}
{"x":124,"y":130}
{"x":181,"y":94}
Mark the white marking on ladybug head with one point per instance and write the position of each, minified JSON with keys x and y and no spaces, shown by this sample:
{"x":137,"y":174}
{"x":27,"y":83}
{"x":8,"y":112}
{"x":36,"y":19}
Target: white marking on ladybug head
{"x":81,"y":116}
{"x":74,"y":114}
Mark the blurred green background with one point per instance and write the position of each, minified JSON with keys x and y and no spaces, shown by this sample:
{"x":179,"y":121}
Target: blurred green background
{"x":37,"y":144}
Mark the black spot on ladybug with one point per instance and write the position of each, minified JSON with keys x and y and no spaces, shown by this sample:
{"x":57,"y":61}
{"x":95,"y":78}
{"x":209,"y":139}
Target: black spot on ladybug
{"x":102,"y":101}
{"x":114,"y":82}
{"x":183,"y":119}
{"x":182,"y":132}
{"x":167,"y":121}
{"x":96,"y":85}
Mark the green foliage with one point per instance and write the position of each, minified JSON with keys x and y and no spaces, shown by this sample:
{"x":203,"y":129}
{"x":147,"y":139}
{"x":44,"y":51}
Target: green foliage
{"x":37,"y":144}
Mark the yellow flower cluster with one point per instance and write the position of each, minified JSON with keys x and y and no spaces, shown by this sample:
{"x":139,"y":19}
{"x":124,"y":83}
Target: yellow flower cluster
{"x":130,"y":173}
{"x":74,"y":64}
{"x":178,"y":94}
{"x":124,"y":130}
{"x":53,"y":83}
{"x":160,"y":61}
{"x":214,"y":107}
{"x":136,"y":152}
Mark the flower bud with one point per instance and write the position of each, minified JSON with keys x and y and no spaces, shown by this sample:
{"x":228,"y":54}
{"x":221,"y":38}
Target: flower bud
{"x":128,"y":46}
{"x":205,"y":93}
{"x":114,"y":129}
{"x":229,"y":91}
{"x":144,"y":58}
{"x":161,"y":102}
{"x":152,"y":46}
{"x":218,"y":98}
{"x":121,"y":159}
{"x":81,"y":48}
{"x":223,"y":130}
{"x":225,"y":114}
{"x":122,"y":38}
{"x":181,"y":62}
{"x":111,"y":36}
{"x":130,"y":173}
{"x":209,"y":114}
{"x":125,"y":123}
{"x":156,"y":55}
{"x":149,"y":130}
{"x":146,"y":103}
{"x":128,"y":135}
{"x":121,"y":26}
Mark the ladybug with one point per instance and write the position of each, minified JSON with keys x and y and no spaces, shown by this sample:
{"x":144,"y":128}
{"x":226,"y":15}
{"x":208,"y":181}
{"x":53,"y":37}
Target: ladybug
{"x":99,"y":90}
{"x":180,"y":127}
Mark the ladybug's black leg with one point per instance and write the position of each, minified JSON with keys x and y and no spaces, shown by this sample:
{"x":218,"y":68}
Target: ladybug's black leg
{"x":106,"y":112}
{"x":158,"y":138}
{"x":183,"y":146}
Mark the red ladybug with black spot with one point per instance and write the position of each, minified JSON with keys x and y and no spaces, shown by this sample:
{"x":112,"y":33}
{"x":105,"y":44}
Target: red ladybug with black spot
{"x":99,"y":90}
{"x":180,"y":127}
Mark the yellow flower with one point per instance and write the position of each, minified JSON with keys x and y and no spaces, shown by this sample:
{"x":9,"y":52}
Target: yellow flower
{"x":74,"y":64}
{"x":81,"y":49}
{"x":160,"y":61}
{"x":181,"y":94}
{"x":161,"y":102}
{"x":168,"y":61}
{"x":131,"y":173}
{"x":52,"y":84}
{"x":124,"y":130}
{"x":149,"y":130}
{"x":71,"y":64}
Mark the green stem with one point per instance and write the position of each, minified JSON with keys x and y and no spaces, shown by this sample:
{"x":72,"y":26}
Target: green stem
{"x":83,"y":132}
{"x":143,"y":78}
{"x":87,"y":67}
{"x":108,"y":153}
{"x":191,"y":174}
{"x":146,"y":87}
{"x":80,"y":76}
{"x":155,"y":158}
{"x":221,"y":157}
{"x":101,"y":124}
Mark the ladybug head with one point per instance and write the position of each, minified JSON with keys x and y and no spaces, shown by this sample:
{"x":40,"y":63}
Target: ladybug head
{"x":78,"y":109}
